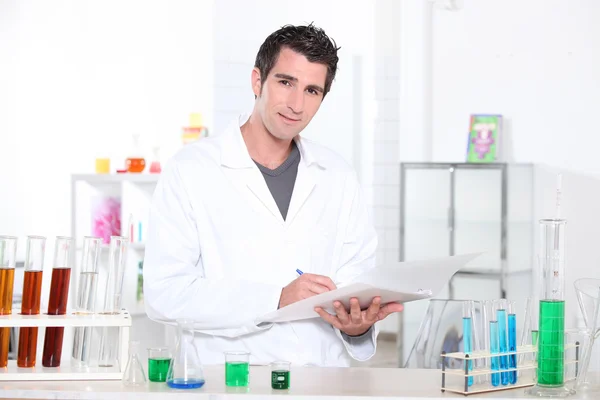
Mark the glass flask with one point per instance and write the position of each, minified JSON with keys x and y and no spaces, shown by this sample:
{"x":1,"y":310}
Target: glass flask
{"x":185,"y":371}
{"x":135,"y":161}
{"x":134,"y":371}
{"x":155,"y":167}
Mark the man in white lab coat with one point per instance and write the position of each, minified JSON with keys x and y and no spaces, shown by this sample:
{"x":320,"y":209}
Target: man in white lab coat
{"x":237,"y":218}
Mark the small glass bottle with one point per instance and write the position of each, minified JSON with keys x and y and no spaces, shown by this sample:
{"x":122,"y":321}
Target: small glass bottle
{"x":135,"y":161}
{"x":185,"y":371}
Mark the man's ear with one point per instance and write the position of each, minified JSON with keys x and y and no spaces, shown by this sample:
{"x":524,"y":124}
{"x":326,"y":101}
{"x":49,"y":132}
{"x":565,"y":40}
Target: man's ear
{"x":256,"y":83}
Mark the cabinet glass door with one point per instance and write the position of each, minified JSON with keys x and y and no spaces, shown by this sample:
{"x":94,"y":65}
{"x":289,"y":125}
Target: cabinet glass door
{"x":478,"y":216}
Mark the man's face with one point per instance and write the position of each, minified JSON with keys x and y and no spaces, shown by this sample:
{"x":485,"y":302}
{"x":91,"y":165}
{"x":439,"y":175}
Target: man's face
{"x":291,"y":94}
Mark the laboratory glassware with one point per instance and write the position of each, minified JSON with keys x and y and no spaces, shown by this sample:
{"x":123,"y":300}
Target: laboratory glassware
{"x":468,"y":335}
{"x":588,"y":296}
{"x":185,"y":371}
{"x":30,"y":303}
{"x":237,"y":369}
{"x":113,"y":295}
{"x":8,"y":253}
{"x":159,"y":359}
{"x":280,"y":375}
{"x":512,"y":342}
{"x":59,"y":296}
{"x":86,"y":298}
{"x":134,"y":371}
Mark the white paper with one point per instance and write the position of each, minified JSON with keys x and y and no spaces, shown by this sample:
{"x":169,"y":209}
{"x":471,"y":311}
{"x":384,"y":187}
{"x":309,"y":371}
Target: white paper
{"x":393,"y":282}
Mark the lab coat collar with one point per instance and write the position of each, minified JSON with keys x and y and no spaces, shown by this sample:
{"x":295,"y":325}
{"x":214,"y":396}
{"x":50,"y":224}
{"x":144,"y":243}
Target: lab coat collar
{"x":234,"y":153}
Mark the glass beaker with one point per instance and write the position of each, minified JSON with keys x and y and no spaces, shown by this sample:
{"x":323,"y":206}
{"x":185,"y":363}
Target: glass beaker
{"x":59,"y":296}
{"x":159,"y":359}
{"x":8,"y":253}
{"x":30,"y":304}
{"x":588,"y":296}
{"x":134,"y":371}
{"x":551,"y":336}
{"x":109,"y":340}
{"x":280,"y":375}
{"x":185,"y":370}
{"x":86,"y":298}
{"x":237,"y":368}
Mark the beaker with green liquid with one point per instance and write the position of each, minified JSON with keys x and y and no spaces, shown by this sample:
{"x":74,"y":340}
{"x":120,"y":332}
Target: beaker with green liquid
{"x":551,"y":329}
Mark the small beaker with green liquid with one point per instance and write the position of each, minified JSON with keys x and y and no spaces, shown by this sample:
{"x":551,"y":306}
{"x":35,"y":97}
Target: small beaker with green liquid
{"x":280,"y":375}
{"x":159,"y":359}
{"x":237,"y":368}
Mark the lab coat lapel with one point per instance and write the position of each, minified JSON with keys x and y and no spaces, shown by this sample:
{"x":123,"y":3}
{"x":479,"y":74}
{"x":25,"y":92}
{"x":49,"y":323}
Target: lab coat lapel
{"x":305,"y":183}
{"x":241,"y":170}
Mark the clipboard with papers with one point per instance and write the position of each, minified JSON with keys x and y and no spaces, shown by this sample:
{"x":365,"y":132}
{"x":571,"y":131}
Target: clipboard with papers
{"x":394,"y":282}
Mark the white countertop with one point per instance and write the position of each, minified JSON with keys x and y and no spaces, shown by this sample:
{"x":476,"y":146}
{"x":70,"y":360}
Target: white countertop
{"x":305,"y":383}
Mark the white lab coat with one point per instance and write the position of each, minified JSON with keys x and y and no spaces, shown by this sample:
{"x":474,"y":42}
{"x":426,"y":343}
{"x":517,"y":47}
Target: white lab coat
{"x":219,"y":251}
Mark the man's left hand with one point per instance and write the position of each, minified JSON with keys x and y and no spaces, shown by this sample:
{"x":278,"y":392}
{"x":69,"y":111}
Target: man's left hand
{"x":357,"y":322}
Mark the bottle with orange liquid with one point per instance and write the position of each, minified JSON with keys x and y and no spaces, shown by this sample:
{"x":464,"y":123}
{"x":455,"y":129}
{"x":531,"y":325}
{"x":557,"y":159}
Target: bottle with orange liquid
{"x":8,"y":254}
{"x":135,"y":161}
{"x":30,"y":304}
{"x":59,"y":296}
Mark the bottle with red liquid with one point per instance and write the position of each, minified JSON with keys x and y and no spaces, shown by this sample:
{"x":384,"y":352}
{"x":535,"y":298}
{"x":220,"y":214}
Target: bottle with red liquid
{"x":59,"y":296}
{"x":30,"y":304}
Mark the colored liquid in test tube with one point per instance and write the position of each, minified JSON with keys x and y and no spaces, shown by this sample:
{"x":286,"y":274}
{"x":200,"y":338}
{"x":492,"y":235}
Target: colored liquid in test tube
{"x":494,"y":348}
{"x":512,"y":342}
{"x":503,"y":339}
{"x":468,"y":335}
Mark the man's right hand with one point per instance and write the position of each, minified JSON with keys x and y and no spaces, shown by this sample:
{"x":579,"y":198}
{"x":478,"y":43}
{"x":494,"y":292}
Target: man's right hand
{"x":305,"y":286}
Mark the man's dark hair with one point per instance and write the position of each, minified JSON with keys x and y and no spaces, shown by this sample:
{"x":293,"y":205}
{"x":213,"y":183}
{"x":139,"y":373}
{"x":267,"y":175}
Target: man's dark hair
{"x":310,"y":41}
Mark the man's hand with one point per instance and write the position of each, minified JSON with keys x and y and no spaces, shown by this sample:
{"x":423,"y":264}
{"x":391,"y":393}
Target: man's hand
{"x":306,"y":285}
{"x":358,"y":322}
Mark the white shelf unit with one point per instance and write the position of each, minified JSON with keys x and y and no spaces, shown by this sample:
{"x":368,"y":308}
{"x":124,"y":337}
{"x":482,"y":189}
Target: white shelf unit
{"x":67,"y":372}
{"x":135,"y":193}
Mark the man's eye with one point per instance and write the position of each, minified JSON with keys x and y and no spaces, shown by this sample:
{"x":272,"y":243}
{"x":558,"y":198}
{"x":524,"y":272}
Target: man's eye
{"x":284,"y":82}
{"x":312,"y":91}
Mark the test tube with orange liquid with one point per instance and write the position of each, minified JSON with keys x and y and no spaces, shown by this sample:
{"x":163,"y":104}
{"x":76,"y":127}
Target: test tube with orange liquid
{"x":8,"y":254}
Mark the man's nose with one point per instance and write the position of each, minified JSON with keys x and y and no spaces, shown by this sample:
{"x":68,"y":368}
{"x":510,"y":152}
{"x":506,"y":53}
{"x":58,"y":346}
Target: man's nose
{"x":296,"y":101}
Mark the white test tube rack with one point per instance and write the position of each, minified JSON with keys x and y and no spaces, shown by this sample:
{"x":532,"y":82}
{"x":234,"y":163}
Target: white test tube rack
{"x":456,"y":380}
{"x":66,"y":372}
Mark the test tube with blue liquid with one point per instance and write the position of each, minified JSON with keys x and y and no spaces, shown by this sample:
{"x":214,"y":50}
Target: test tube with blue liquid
{"x":494,"y":345}
{"x":468,"y":335}
{"x":512,"y":342}
{"x":502,"y":339}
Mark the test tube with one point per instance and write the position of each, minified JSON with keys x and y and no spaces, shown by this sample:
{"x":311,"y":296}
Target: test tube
{"x":468,"y":335}
{"x":57,"y":303}
{"x":502,"y":338}
{"x":86,"y":298}
{"x":494,"y":344}
{"x":512,"y":342}
{"x":30,"y":303}
{"x":486,"y":317}
{"x":109,"y":339}
{"x":8,"y":253}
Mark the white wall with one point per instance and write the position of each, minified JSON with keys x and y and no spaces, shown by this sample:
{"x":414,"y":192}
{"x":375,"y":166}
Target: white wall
{"x":77,"y":78}
{"x":536,"y":62}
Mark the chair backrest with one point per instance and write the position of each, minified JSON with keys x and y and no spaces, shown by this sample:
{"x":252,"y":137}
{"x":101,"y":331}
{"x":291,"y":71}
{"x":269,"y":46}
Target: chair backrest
{"x":441,"y":330}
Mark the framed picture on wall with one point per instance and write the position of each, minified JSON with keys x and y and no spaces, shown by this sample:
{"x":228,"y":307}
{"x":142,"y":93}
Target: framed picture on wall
{"x":485,"y":131}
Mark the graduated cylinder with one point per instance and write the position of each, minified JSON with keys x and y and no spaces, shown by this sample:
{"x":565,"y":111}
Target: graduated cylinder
{"x":8,"y":253}
{"x":30,"y":304}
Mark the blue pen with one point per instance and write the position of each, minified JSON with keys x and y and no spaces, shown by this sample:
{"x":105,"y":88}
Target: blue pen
{"x":299,"y":272}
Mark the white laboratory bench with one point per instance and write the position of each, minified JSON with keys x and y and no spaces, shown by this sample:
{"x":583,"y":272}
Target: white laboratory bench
{"x":308,"y":383}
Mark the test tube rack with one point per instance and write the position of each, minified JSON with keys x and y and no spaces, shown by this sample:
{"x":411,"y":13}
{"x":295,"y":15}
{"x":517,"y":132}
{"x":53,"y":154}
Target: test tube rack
{"x":67,"y":372}
{"x":457,"y":380}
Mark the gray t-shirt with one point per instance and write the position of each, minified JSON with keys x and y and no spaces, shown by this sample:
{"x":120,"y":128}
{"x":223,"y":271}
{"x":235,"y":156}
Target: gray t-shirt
{"x":281,"y":180}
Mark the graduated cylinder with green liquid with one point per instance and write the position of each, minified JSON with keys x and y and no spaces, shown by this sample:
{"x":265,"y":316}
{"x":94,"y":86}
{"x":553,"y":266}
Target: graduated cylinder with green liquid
{"x":551,"y":336}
